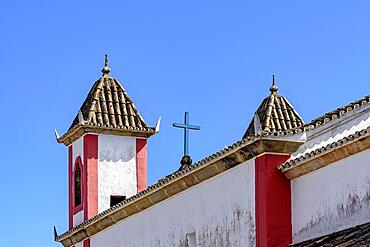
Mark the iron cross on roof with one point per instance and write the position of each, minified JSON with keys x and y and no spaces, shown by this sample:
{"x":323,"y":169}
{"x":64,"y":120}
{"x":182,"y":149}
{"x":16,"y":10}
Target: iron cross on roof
{"x":186,"y":126}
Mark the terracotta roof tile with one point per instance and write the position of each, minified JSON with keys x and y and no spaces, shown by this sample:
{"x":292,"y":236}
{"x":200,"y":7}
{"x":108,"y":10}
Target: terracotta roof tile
{"x":108,"y":108}
{"x":355,"y":236}
{"x":338,"y":113}
{"x":322,"y":150}
{"x":108,"y":104}
{"x":275,"y":114}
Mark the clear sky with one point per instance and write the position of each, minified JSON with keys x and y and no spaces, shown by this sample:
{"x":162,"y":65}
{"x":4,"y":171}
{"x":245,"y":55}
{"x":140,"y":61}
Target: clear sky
{"x":211,"y":58}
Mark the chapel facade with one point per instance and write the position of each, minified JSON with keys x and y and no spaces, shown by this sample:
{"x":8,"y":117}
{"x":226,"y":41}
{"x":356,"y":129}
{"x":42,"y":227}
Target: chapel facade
{"x":284,"y":183}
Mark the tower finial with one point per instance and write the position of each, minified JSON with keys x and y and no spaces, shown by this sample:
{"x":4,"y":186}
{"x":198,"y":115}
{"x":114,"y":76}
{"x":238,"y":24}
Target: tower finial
{"x":106,"y":69}
{"x":273,"y":88}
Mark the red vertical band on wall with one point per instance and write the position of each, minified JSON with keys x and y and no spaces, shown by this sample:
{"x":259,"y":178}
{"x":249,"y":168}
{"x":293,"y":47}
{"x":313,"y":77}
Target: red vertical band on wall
{"x":273,"y":203}
{"x":141,"y":164}
{"x":86,"y":243}
{"x":90,"y":178}
{"x":70,"y":196}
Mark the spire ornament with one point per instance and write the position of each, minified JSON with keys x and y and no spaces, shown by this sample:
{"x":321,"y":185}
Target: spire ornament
{"x":106,"y":69}
{"x":273,"y":88}
{"x":55,"y":234}
{"x":186,"y":160}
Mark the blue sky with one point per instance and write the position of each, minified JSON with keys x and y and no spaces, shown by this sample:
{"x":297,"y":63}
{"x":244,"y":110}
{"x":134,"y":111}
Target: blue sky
{"x":212,"y":58}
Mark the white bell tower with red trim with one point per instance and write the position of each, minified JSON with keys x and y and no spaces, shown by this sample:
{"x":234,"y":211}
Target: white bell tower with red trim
{"x":107,"y":157}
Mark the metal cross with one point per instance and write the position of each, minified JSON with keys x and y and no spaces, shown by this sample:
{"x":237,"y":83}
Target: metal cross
{"x":186,"y":126}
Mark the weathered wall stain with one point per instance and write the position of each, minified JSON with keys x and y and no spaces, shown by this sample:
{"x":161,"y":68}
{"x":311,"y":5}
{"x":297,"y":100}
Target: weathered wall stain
{"x":220,"y":211}
{"x":331,"y":199}
{"x":229,"y":233}
{"x":351,"y":212}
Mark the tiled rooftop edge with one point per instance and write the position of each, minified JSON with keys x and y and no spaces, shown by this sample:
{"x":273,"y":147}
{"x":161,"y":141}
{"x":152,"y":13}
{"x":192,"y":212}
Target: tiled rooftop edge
{"x":320,"y":151}
{"x":338,"y":113}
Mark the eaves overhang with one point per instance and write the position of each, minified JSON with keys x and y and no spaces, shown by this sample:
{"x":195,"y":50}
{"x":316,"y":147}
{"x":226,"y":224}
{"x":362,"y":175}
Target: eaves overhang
{"x":81,"y":129}
{"x":179,"y":181}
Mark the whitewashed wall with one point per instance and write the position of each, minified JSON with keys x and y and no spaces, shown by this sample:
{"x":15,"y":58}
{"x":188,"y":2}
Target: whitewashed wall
{"x":221,"y":212}
{"x":77,"y":150}
{"x":332,"y":198}
{"x":78,"y":218}
{"x":79,"y":245}
{"x":116,"y":168}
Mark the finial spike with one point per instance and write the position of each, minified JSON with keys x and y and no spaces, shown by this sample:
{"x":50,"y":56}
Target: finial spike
{"x":56,"y":134}
{"x":106,"y":69}
{"x":157,"y":126}
{"x":55,"y":233}
{"x":273,"y":88}
{"x":106,"y":60}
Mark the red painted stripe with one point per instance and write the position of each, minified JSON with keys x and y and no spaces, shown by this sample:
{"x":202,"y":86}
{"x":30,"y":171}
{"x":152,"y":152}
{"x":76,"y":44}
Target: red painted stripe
{"x":70,"y":202}
{"x":86,"y":243}
{"x":273,"y":203}
{"x":90,"y":178}
{"x":141,"y":163}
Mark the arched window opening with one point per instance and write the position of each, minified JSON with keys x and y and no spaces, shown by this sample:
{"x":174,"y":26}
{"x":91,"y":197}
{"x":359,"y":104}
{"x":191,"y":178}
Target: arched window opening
{"x":77,"y":185}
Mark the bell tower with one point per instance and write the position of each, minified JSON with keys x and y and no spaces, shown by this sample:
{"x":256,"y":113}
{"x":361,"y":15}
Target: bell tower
{"x":106,"y":142}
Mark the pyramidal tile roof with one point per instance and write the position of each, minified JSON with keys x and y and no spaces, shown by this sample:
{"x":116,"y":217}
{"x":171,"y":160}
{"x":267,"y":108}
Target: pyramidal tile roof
{"x":275,"y":114}
{"x":107,"y":108}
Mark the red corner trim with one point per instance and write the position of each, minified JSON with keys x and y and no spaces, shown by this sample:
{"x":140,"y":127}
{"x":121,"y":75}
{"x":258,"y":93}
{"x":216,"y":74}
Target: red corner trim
{"x":86,"y":243}
{"x":141,"y":163}
{"x":70,"y":202}
{"x":90,"y":178}
{"x":273,"y":203}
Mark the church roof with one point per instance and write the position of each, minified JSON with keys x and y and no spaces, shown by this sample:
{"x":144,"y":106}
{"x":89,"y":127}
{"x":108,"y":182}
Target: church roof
{"x":275,"y":114}
{"x":354,"y":236}
{"x":107,"y":109}
{"x":323,"y":156}
{"x":338,"y":113}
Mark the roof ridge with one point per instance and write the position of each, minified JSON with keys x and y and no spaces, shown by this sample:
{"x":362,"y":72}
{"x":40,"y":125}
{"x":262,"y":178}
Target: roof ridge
{"x":322,"y":150}
{"x":98,"y":83}
{"x":337,"y":113}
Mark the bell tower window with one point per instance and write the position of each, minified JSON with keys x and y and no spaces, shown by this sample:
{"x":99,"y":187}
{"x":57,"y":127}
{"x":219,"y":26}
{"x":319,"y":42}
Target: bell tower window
{"x":77,"y":183}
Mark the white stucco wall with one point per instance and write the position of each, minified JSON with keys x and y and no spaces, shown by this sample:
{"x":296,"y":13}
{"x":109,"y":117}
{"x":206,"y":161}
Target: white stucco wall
{"x":79,"y":245}
{"x":336,"y":129}
{"x":332,"y":198}
{"x":221,"y":212}
{"x":116,"y":168}
{"x":77,"y":150}
{"x":78,"y":218}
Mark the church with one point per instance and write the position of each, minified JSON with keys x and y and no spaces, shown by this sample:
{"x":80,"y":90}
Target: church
{"x":284,"y":183}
